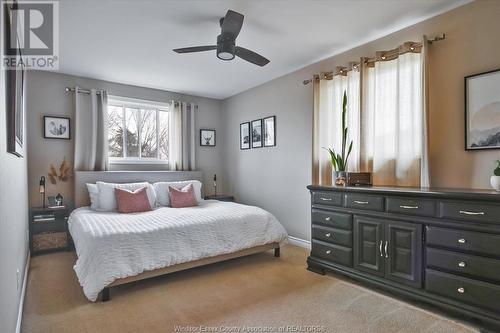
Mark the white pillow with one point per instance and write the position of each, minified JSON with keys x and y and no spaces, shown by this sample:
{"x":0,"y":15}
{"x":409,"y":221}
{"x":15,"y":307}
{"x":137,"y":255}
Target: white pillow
{"x":94,"y":196}
{"x":162,"y":193}
{"x":107,"y":198}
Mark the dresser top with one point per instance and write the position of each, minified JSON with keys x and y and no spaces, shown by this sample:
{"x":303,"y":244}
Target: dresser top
{"x":452,"y":193}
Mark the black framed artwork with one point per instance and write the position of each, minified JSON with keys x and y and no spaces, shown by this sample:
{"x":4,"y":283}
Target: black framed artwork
{"x":482,"y":111}
{"x":14,"y":87}
{"x":269,"y":124}
{"x":55,"y":127}
{"x":207,"y":137}
{"x":245,"y":136}
{"x":257,"y":133}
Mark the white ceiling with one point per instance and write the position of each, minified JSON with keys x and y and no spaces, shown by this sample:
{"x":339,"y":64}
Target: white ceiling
{"x":131,"y":41}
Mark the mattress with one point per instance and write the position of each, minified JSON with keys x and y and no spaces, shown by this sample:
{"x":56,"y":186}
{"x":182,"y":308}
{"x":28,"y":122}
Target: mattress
{"x":111,"y":245}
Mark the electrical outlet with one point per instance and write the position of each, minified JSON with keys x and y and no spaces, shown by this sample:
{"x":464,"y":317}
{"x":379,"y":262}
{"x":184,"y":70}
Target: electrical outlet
{"x":18,"y":279}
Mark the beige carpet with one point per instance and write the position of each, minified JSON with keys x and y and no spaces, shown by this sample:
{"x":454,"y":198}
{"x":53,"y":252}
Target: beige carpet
{"x":258,"y":293}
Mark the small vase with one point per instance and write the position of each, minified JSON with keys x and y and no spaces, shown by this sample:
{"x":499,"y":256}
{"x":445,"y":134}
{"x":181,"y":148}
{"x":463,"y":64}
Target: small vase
{"x":495,"y":182}
{"x":340,"y":178}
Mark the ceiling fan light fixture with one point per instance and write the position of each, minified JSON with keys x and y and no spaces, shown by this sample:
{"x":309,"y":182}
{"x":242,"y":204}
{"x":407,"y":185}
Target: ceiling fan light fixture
{"x":225,"y":47}
{"x":225,"y":55}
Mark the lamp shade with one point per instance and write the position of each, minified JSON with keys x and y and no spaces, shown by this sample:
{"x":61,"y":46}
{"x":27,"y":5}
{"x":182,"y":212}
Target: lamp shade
{"x":41,"y":189}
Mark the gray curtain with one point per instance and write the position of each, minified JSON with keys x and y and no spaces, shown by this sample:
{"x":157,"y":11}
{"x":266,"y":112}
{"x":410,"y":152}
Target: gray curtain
{"x":182,"y":136}
{"x":91,"y":135}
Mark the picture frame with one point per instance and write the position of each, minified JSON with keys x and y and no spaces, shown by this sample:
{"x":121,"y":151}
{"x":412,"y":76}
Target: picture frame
{"x":245,"y":136}
{"x":269,"y":125}
{"x":482,"y":110}
{"x":257,"y":133}
{"x":56,"y":127}
{"x":14,"y":86}
{"x":207,"y":137}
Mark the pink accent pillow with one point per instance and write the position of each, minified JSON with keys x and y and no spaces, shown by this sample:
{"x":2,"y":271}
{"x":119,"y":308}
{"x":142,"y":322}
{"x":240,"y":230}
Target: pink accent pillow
{"x":132,"y":201}
{"x":184,"y":197}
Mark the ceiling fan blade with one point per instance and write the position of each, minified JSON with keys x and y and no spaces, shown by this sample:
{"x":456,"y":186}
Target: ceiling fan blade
{"x":196,"y":49}
{"x":232,"y":23}
{"x":251,"y":56}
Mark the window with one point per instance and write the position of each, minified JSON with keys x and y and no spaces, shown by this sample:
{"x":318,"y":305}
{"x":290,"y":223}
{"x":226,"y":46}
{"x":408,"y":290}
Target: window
{"x":138,"y":131}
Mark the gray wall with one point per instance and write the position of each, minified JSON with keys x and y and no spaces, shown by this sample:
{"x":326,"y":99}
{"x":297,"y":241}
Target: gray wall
{"x":46,"y":96}
{"x":275,"y":178}
{"x":13,"y":224}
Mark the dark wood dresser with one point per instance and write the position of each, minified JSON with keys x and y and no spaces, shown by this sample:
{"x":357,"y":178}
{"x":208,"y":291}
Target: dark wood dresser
{"x":440,"y":246}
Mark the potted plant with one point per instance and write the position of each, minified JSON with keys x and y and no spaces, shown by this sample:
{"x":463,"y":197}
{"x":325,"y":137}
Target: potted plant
{"x":339,"y":160}
{"x":495,"y":179}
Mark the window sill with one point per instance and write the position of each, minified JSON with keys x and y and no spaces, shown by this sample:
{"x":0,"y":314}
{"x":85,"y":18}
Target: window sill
{"x":137,"y":161}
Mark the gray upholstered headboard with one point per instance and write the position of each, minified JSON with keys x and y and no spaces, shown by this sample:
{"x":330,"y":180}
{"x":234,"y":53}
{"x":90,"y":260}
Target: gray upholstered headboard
{"x":84,"y":177}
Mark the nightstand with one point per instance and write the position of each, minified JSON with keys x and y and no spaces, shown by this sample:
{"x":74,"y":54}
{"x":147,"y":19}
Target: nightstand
{"x":49,"y":230}
{"x":220,"y":197}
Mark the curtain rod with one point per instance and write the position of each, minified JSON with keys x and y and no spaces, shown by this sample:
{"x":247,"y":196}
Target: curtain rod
{"x":437,"y":38}
{"x":83,"y":91}
{"x":86,"y":91}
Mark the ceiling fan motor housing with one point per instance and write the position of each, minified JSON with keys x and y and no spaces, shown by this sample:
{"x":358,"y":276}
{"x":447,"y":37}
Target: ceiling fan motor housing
{"x":226,"y":44}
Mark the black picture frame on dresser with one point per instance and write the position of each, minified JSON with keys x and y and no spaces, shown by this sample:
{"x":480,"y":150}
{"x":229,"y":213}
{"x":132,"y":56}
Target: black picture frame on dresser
{"x":438,"y":246}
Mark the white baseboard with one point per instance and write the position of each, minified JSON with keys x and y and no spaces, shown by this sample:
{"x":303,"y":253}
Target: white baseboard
{"x":23,"y":293}
{"x":299,"y":242}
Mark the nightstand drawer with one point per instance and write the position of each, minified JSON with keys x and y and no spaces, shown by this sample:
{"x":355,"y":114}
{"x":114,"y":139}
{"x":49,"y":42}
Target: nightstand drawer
{"x":482,"y":294}
{"x":334,"y":236}
{"x":411,"y":206}
{"x":470,"y":211}
{"x":334,"y":253}
{"x":60,"y":224}
{"x":368,"y":202}
{"x":461,"y":240}
{"x":327,"y":198}
{"x":335,"y":220}
{"x":477,"y":267}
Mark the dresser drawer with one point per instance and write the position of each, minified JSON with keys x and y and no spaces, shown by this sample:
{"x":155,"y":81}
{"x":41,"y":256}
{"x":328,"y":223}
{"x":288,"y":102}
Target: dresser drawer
{"x":411,"y":206}
{"x":335,"y":253}
{"x":369,"y":202}
{"x":335,"y":220}
{"x":335,"y":236}
{"x":477,"y":242}
{"x":327,"y":198}
{"x":470,"y":211}
{"x":482,"y":294}
{"x":477,"y":267}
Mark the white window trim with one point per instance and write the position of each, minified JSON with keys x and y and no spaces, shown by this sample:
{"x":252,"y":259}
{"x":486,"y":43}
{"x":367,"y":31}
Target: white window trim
{"x":134,"y":103}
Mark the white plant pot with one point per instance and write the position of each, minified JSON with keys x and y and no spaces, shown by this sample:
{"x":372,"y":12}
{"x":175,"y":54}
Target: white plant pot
{"x":495,"y":182}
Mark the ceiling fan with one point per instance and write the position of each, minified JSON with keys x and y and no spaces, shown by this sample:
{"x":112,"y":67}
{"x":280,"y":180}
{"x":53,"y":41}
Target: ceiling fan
{"x":226,"y":42}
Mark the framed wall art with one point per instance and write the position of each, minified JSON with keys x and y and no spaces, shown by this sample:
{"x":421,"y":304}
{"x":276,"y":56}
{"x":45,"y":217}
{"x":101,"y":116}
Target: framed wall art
{"x":245,"y":136}
{"x":257,"y":133}
{"x":55,"y":127}
{"x":207,"y":137}
{"x":482,"y":111}
{"x":269,"y":131}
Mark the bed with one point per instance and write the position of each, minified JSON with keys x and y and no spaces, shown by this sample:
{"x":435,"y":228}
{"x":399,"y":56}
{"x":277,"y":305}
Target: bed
{"x":115,"y":249}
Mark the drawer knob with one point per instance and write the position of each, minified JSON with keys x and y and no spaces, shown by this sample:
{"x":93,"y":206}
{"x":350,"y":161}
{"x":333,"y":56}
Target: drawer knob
{"x":461,"y":240}
{"x":461,"y":290}
{"x":361,"y":202}
{"x":328,"y":251}
{"x":328,"y":234}
{"x":328,"y":218}
{"x":326,"y":199}
{"x":462,"y":264}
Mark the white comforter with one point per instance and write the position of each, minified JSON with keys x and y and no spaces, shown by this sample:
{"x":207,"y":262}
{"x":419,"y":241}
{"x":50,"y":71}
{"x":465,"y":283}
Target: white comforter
{"x":112,"y":245}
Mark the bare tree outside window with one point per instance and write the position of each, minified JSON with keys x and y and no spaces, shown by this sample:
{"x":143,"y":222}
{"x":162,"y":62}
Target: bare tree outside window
{"x":137,"y":132}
